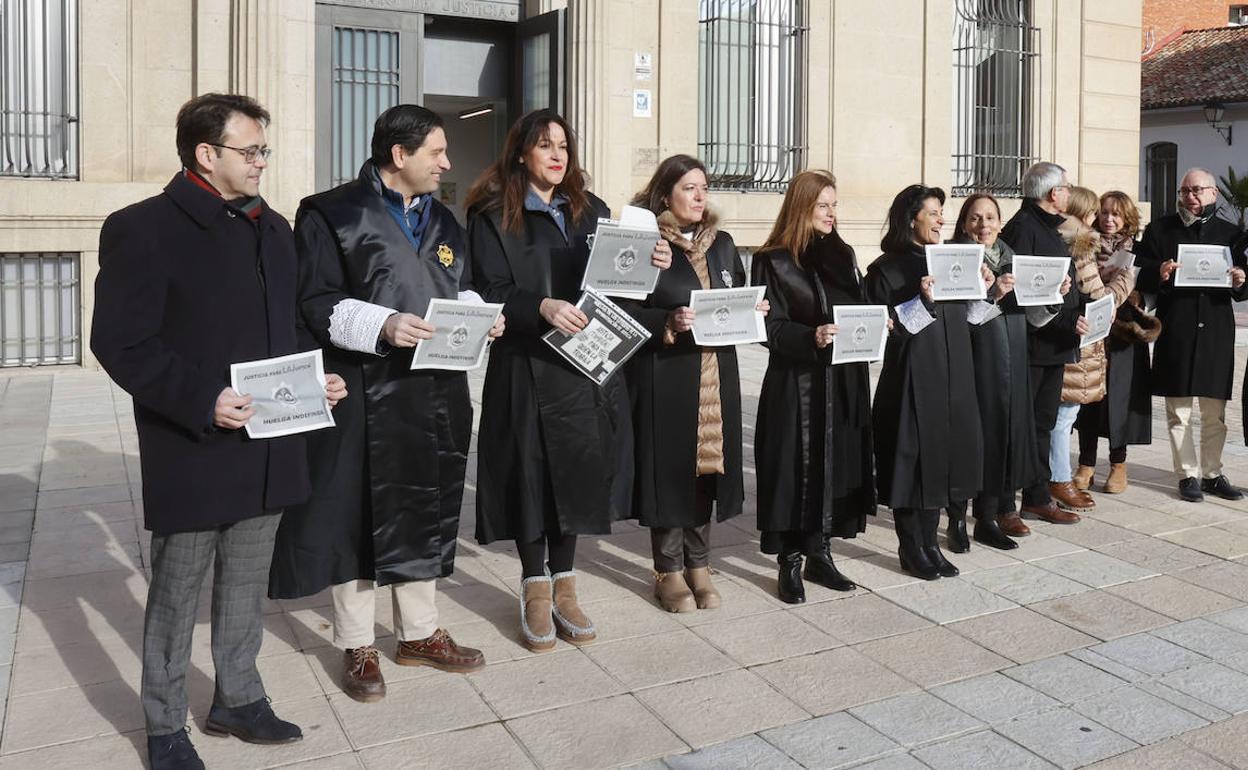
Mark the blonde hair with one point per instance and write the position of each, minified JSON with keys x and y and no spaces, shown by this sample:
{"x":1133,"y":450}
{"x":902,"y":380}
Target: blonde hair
{"x":794,"y":230}
{"x":1082,"y":203}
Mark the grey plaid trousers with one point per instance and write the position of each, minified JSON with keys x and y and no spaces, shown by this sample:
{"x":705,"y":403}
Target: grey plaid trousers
{"x":240,"y":554}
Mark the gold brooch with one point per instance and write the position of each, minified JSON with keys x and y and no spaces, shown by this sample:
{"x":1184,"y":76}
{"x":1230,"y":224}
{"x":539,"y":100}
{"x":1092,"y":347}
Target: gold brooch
{"x":445,"y":255}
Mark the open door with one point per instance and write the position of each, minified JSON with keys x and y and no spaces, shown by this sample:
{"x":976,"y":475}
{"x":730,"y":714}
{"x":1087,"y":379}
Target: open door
{"x":542,"y":66}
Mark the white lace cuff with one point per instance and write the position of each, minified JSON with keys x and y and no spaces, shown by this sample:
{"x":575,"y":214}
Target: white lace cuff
{"x":914,"y":315}
{"x":356,"y":325}
{"x":468,"y":295}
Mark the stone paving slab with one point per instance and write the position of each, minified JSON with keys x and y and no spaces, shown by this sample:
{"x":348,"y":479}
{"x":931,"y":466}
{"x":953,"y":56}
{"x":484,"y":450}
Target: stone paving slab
{"x":1131,"y":625}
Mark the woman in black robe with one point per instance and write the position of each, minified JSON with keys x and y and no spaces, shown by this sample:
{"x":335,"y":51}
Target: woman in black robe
{"x":686,"y":398}
{"x":554,"y":449}
{"x":999,"y":347}
{"x":812,"y":440}
{"x":928,"y":445}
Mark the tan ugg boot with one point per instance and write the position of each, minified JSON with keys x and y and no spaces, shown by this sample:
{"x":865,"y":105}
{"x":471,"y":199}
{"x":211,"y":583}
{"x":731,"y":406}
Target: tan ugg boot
{"x":570,"y":621}
{"x":699,"y":579}
{"x":1116,"y":482}
{"x":673,"y":592}
{"x":537,"y":627}
{"x":1083,"y":477}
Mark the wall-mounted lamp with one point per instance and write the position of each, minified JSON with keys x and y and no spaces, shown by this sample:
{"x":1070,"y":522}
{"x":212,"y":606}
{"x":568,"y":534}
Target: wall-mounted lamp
{"x":476,"y":112}
{"x":1214,"y":111}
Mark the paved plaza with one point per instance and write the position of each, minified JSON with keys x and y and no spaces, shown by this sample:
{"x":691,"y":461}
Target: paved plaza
{"x":1121,"y":642}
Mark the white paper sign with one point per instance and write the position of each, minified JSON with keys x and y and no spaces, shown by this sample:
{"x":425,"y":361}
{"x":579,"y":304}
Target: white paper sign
{"x":641,"y":103}
{"x":1203,"y":266}
{"x":955,"y":270}
{"x":619,"y":256}
{"x":1038,"y":280}
{"x":1100,"y":315}
{"x":460,"y":337}
{"x":1119,"y":260}
{"x":287,"y":392}
{"x":609,"y":339}
{"x":727,"y":316}
{"x":861,"y":334}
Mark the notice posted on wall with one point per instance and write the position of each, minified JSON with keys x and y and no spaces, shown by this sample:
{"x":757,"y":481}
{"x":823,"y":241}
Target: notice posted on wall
{"x":609,"y":339}
{"x":287,"y":392}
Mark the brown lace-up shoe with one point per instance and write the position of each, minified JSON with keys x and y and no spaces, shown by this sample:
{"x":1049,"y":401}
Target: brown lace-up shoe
{"x":361,"y":678}
{"x":1012,"y":524}
{"x":1051,"y":513}
{"x":440,"y":652}
{"x":1070,"y":499}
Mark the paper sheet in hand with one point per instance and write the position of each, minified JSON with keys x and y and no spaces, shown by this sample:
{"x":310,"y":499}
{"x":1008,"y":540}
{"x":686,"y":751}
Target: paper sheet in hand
{"x":1100,"y":315}
{"x":955,"y":268}
{"x":619,"y":259}
{"x":1038,"y":280}
{"x":727,"y":316}
{"x":609,"y":339}
{"x":1203,"y":266}
{"x":861,"y":335}
{"x":1119,"y":260}
{"x":460,"y":336}
{"x":288,"y":393}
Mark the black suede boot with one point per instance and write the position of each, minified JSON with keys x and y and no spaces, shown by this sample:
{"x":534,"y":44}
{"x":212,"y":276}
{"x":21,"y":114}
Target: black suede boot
{"x":910,"y":551}
{"x":955,"y":533}
{"x":253,"y":723}
{"x":822,"y":570}
{"x":791,"y":590}
{"x":930,"y":523}
{"x":988,"y":532}
{"x":172,"y":752}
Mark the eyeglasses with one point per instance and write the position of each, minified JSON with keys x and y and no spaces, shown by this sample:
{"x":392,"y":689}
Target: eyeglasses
{"x":1193,"y":190}
{"x":249,"y":153}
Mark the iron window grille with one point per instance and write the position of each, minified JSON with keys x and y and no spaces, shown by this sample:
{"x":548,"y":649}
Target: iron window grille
{"x":39,"y":88}
{"x":752,"y":92}
{"x":40,"y":301}
{"x":1161,"y":170}
{"x":996,"y":95}
{"x":365,"y":84}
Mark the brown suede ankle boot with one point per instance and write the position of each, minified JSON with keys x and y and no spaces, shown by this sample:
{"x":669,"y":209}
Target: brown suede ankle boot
{"x":571,"y":624}
{"x":537,"y":626}
{"x":1116,"y":483}
{"x":699,"y":579}
{"x":673,"y":592}
{"x":1083,"y":478}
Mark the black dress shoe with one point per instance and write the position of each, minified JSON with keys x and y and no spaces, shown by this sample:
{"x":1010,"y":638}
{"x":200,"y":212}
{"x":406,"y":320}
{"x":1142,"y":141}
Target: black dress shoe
{"x":955,"y":533}
{"x":253,"y":723}
{"x":791,"y":590}
{"x":1189,"y":490}
{"x":172,"y":752}
{"x":1222,"y":487}
{"x":988,"y":532}
{"x":822,"y":570}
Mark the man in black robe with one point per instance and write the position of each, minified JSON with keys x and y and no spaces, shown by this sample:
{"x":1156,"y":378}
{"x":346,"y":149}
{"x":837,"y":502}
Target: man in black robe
{"x":1033,"y":231}
{"x":1195,"y":354}
{"x":388,"y":483}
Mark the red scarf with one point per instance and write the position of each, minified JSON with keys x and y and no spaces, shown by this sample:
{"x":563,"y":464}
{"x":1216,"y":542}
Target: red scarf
{"x":253,"y":206}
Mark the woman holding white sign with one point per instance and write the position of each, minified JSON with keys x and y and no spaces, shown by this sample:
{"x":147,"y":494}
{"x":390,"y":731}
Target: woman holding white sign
{"x":686,"y":397}
{"x":812,"y":440}
{"x":928,"y":444}
{"x":554,"y":448}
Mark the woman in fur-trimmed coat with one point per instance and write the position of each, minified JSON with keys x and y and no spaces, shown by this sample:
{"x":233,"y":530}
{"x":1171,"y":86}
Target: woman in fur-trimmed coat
{"x":686,"y":398}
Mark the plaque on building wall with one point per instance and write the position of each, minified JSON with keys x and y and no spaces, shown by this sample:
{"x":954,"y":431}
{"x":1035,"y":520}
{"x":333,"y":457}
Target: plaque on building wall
{"x":494,"y":10}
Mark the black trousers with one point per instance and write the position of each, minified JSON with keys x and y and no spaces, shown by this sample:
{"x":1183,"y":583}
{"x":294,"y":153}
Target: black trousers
{"x":1046,"y":394}
{"x":675,"y":548}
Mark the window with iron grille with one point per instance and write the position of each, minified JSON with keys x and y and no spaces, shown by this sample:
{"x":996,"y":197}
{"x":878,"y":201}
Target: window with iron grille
{"x":365,"y":84}
{"x":1161,"y":171}
{"x":39,"y":88}
{"x":996,"y":95}
{"x":39,"y":309}
{"x":751,"y":92}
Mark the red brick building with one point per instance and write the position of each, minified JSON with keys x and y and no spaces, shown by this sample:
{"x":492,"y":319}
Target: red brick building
{"x":1165,"y":19}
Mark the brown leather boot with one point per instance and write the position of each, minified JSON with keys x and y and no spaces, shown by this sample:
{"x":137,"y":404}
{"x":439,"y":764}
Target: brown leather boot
{"x":699,"y":579}
{"x":571,"y":624}
{"x":1070,"y":499}
{"x":1012,"y":524}
{"x":537,"y":625}
{"x":1116,"y":482}
{"x":673,"y":592}
{"x":1083,"y":478}
{"x":361,"y":677}
{"x":441,"y":652}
